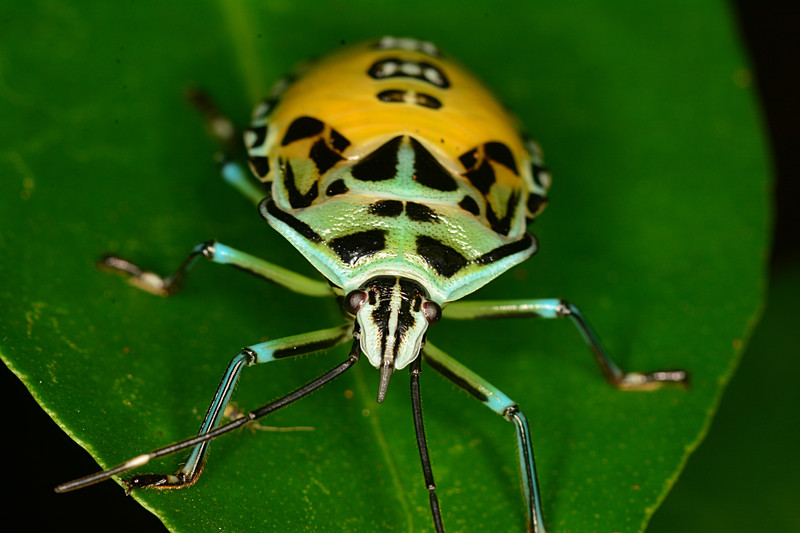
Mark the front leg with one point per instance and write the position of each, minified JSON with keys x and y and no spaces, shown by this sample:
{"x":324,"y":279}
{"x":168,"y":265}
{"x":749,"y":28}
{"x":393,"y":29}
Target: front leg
{"x":556,"y":308}
{"x":265,"y":352}
{"x":501,"y":404}
{"x":216,"y":253}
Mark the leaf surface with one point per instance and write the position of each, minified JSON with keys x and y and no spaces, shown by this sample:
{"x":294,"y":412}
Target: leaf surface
{"x":657,"y":228}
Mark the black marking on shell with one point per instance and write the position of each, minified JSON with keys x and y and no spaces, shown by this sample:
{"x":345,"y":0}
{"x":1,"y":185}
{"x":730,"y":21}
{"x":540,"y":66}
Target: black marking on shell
{"x":379,"y":165}
{"x":469,"y":159}
{"x":398,"y":96}
{"x":259,"y":165}
{"x":442,"y":258}
{"x":429,"y":172}
{"x":482,"y":177}
{"x":503,"y":225}
{"x":259,"y":136}
{"x":302,"y":128}
{"x":394,"y":67}
{"x":323,"y":157}
{"x":500,"y":153}
{"x":469,"y":204}
{"x":527,"y":241}
{"x":386,"y":208}
{"x":536,"y":203}
{"x":297,"y":199}
{"x":336,"y":188}
{"x":392,"y":96}
{"x":421,"y":213}
{"x":303,"y":229}
{"x":338,"y":141}
{"x":434,"y":75}
{"x":537,"y":171}
{"x":351,"y":248}
{"x":426,"y":100}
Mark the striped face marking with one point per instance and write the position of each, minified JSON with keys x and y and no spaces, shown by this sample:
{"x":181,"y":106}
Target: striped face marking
{"x":393,"y":316}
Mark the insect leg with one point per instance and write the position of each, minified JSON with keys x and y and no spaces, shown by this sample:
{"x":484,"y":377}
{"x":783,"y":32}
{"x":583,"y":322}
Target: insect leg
{"x":557,"y":308}
{"x":237,"y":177}
{"x":422,"y":445}
{"x":221,"y":128}
{"x":143,"y":459}
{"x":265,"y":352}
{"x":217,"y":253}
{"x":503,"y":406}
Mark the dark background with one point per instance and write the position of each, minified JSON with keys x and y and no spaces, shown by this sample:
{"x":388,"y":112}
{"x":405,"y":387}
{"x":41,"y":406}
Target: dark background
{"x":771,"y":34}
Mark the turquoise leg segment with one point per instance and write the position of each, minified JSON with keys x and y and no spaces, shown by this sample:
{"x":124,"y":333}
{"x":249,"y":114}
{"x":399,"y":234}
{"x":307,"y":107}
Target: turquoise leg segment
{"x":235,"y":176}
{"x":264,"y":352}
{"x":191,"y":470}
{"x":216,"y":253}
{"x":180,"y":480}
{"x":293,"y":281}
{"x":314,"y":341}
{"x":556,"y":308}
{"x":221,"y":128}
{"x":501,"y":404}
{"x":530,"y":483}
{"x":466,"y":379}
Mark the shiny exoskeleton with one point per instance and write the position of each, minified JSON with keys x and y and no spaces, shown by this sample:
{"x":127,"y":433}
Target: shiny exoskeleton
{"x":400,"y":178}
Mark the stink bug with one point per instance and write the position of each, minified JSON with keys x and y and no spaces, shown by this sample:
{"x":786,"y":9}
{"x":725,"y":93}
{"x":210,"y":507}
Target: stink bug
{"x":405,"y":183}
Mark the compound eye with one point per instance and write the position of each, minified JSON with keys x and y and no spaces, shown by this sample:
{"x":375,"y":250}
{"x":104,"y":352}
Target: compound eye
{"x":354,"y":301}
{"x":432,"y":312}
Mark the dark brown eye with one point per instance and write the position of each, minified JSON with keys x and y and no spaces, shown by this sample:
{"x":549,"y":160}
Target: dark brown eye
{"x":354,"y":301}
{"x":432,"y":312}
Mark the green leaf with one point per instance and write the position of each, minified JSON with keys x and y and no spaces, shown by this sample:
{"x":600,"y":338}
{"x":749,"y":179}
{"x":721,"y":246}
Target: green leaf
{"x":761,"y":492}
{"x":657,"y":229}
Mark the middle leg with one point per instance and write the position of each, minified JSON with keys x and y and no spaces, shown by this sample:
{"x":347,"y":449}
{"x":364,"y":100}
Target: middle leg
{"x":216,"y":253}
{"x":557,"y":308}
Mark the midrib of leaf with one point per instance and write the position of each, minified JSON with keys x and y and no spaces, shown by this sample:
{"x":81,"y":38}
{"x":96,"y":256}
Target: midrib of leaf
{"x":380,"y":439}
